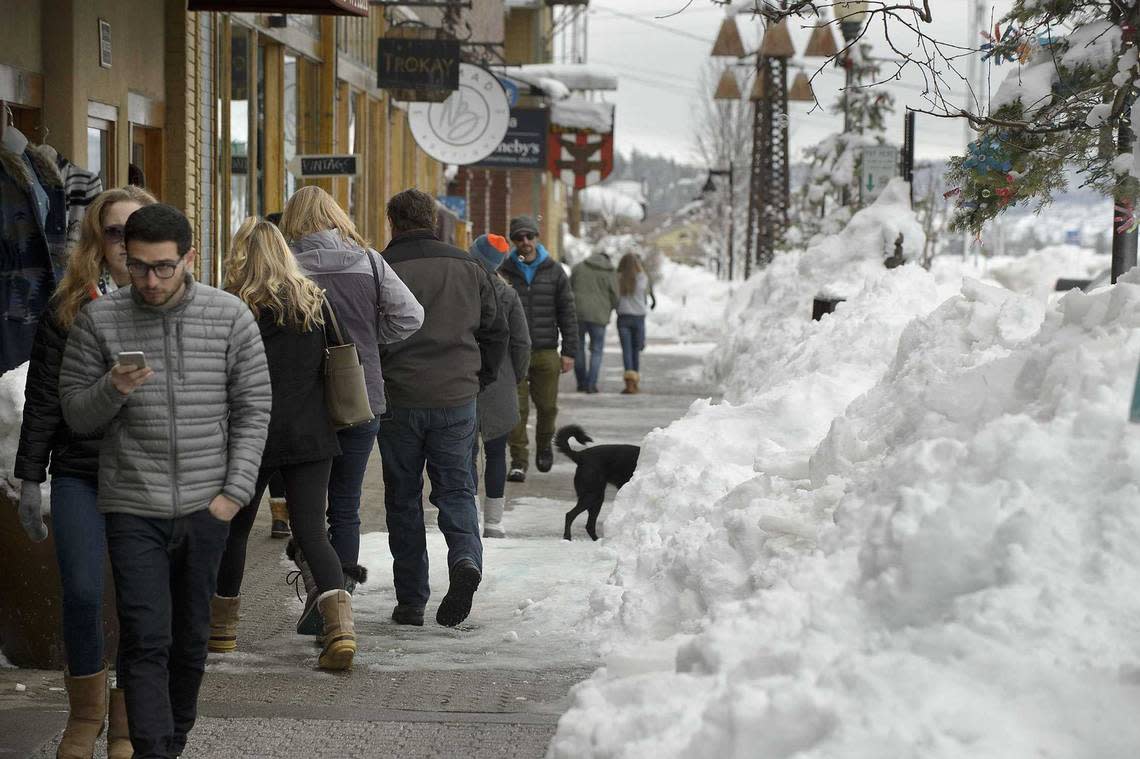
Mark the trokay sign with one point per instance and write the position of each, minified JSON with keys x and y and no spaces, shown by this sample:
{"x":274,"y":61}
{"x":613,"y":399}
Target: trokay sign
{"x":524,"y":146}
{"x":414,"y":66}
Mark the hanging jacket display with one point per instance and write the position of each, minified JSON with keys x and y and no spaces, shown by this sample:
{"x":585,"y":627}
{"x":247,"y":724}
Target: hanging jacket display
{"x":31,"y":248}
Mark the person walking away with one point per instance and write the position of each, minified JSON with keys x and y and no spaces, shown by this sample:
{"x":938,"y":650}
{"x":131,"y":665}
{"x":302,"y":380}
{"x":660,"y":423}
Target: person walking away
{"x":374,"y":307}
{"x":301,"y":443}
{"x":96,"y":266}
{"x":498,"y":403}
{"x":635,"y":292}
{"x":278,"y":507}
{"x":433,"y":379}
{"x":184,"y":436}
{"x":594,"y":282}
{"x":548,"y":302}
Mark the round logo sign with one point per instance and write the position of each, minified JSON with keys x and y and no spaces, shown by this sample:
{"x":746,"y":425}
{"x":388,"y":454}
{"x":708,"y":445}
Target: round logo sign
{"x":469,"y":125}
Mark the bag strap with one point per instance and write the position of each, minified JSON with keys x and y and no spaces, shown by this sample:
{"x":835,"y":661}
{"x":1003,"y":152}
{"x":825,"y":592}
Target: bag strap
{"x":330,"y":320}
{"x":376,"y":280}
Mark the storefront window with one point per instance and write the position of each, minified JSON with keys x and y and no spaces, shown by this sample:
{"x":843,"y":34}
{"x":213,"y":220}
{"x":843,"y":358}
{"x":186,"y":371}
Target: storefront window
{"x":261,"y":211}
{"x":239,"y":127}
{"x":289,"y":107}
{"x":100,"y":146}
{"x":354,"y":137}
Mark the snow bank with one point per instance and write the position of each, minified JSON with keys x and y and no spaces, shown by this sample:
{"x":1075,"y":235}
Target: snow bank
{"x":691,"y":303}
{"x":909,"y":532}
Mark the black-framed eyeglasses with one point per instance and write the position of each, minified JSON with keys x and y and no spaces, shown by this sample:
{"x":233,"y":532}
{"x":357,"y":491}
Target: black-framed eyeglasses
{"x":113,"y":233}
{"x":524,"y":236}
{"x":162,"y":270}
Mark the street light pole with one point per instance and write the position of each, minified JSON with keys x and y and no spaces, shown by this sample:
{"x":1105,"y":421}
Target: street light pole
{"x":709,"y":188}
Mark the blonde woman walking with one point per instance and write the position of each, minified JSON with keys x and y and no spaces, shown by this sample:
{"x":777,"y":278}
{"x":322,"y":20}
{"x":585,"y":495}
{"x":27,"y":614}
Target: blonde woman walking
{"x":97,"y":265}
{"x":291,"y":313}
{"x":375,"y":308}
{"x":635,"y":299}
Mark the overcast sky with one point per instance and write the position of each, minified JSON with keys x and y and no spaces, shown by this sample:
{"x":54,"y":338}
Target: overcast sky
{"x":659,"y":62}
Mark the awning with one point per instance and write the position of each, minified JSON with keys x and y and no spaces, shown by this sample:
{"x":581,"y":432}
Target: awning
{"x":317,"y":7}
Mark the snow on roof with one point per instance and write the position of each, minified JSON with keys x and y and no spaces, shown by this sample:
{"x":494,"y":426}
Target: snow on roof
{"x":631,"y":188}
{"x":549,"y":86}
{"x":576,"y":76}
{"x":575,"y":113}
{"x":610,"y":203}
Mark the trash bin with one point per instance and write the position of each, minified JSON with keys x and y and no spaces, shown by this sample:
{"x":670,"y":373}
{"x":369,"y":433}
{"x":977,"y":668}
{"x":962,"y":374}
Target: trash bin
{"x":30,"y":607}
{"x":823,"y":304}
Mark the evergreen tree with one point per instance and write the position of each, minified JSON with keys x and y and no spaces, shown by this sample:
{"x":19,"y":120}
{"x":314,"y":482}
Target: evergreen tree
{"x":1066,"y":101}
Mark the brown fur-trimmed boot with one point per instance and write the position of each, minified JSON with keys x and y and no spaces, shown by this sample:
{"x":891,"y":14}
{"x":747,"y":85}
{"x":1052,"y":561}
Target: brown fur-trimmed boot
{"x":118,"y":732}
{"x":279,"y":510}
{"x":223,"y":624}
{"x":87,"y":701}
{"x":339,"y":635}
{"x":630,"y":378}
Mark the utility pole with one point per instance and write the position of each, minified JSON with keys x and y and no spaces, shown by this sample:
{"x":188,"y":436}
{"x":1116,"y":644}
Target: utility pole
{"x":975,"y":99}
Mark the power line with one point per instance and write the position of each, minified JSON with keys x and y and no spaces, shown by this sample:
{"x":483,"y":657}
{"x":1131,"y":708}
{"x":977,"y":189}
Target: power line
{"x":653,"y":24}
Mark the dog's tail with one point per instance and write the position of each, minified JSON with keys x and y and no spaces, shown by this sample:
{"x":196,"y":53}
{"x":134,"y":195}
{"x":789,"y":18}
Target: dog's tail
{"x":562,"y":441}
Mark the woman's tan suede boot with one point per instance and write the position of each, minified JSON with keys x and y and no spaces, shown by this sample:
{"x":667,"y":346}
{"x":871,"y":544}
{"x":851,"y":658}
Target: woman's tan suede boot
{"x":339,"y":635}
{"x":223,"y":624}
{"x":118,"y":732}
{"x":87,"y":699}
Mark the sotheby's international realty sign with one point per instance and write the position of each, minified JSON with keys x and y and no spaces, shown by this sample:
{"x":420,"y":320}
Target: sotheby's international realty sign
{"x":524,"y":147}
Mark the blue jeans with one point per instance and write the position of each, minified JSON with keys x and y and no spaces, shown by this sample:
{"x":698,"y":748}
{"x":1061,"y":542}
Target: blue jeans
{"x":441,"y":438}
{"x":494,"y":465}
{"x":81,"y":552}
{"x":631,"y":332}
{"x":345,"y":483}
{"x":165,"y":574}
{"x":588,"y":377}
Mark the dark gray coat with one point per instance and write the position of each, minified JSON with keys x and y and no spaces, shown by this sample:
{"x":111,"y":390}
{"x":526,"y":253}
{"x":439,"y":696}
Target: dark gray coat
{"x":499,"y":401}
{"x":549,"y":305}
{"x":197,"y":427}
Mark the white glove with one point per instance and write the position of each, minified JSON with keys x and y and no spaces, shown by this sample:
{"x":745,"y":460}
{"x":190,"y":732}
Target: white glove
{"x":32,"y":511}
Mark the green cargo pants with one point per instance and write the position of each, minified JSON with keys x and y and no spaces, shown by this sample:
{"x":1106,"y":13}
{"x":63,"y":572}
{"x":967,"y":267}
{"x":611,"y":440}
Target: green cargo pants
{"x":541,"y":384}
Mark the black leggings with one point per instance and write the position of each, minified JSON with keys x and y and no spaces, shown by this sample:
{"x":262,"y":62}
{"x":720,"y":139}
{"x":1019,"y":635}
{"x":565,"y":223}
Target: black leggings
{"x":306,"y":486}
{"x":277,"y":485}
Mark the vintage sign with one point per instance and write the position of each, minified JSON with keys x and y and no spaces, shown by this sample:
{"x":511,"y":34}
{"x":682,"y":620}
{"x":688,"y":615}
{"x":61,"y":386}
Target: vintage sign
{"x":581,"y":158}
{"x":309,"y":166}
{"x":325,"y":7}
{"x":880,"y":164}
{"x":469,"y":125}
{"x":524,"y":146}
{"x":417,"y":69}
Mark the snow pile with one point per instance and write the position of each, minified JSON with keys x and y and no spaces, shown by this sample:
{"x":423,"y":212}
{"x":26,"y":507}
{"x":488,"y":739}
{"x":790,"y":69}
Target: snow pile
{"x":1037,"y":273}
{"x":610,"y":204}
{"x":691,"y":303}
{"x":576,"y":113}
{"x":11,"y":414}
{"x":909,"y":532}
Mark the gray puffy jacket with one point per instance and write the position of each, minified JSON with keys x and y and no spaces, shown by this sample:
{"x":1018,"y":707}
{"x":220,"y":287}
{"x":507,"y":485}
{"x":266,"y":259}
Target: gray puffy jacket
{"x":196,"y":428}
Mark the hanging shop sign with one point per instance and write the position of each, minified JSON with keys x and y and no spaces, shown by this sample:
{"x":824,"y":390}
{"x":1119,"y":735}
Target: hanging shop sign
{"x":582,"y":157}
{"x":311,"y":166}
{"x":469,"y":125}
{"x":524,"y":146}
{"x":880,"y":164}
{"x":415,"y":68}
{"x":320,"y":7}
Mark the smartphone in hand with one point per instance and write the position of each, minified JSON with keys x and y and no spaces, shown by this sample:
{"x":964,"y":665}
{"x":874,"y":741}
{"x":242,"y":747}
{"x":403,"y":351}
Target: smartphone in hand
{"x":134,"y":359}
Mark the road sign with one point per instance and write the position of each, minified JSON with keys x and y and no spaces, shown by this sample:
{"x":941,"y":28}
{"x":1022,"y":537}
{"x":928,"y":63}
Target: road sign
{"x":880,"y":164}
{"x":309,"y":166}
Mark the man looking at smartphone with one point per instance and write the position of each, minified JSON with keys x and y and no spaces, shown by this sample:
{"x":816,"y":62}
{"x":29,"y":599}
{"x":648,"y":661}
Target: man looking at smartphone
{"x":180,"y":455}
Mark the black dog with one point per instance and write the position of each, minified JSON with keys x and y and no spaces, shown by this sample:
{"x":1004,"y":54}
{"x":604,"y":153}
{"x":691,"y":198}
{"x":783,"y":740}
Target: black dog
{"x":598,"y":466}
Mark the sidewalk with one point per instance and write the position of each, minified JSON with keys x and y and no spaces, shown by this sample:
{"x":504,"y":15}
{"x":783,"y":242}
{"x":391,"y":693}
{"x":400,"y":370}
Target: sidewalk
{"x":494,"y":687}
